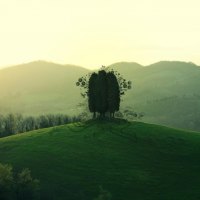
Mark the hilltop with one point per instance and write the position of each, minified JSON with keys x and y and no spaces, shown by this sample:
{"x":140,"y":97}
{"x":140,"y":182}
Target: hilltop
{"x":131,"y":160}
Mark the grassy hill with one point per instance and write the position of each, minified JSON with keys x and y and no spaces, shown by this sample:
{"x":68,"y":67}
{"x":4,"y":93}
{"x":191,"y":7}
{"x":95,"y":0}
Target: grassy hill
{"x":130,"y":160}
{"x":40,"y":87}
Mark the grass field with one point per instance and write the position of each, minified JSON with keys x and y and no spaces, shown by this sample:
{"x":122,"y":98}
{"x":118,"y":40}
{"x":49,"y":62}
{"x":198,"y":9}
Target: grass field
{"x":133,"y":161}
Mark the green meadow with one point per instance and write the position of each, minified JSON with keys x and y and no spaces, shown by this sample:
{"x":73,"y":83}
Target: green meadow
{"x":130,"y":160}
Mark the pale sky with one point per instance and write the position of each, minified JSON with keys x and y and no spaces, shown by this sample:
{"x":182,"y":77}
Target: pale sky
{"x":92,"y":33}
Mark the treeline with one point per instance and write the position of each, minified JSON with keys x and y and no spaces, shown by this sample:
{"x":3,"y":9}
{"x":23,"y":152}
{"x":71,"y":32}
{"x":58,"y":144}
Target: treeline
{"x":16,"y":123}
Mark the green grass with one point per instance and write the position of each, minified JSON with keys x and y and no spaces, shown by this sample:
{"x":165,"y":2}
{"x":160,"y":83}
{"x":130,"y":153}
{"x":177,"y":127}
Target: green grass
{"x":133,"y":161}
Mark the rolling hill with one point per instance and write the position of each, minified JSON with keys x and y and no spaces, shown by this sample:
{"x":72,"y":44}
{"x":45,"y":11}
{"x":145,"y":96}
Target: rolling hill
{"x":131,"y":160}
{"x":40,"y":87}
{"x":168,"y":93}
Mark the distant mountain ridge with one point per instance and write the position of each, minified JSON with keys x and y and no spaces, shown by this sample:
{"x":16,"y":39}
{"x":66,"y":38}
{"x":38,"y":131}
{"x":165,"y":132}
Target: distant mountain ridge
{"x":167,"y":92}
{"x":39,"y":87}
{"x":172,"y":63}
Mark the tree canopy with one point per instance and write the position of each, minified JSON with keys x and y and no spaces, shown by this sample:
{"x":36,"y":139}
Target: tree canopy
{"x":104,"y":90}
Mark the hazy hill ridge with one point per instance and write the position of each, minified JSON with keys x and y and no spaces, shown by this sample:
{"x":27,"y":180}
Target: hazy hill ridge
{"x":39,"y":87}
{"x":167,"y":92}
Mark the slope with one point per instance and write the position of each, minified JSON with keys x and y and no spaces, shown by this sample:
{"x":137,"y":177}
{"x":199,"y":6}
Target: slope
{"x":40,"y":87}
{"x":167,"y":92}
{"x":130,"y":160}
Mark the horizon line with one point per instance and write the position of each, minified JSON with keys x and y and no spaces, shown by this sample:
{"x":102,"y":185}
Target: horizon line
{"x":89,"y":68}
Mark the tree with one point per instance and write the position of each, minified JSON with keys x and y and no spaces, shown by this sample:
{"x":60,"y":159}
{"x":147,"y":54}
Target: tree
{"x":6,"y":182}
{"x":113,"y":93}
{"x":10,"y":124}
{"x":17,"y":186}
{"x":27,"y":187}
{"x":92,"y":94}
{"x":44,"y":121}
{"x":2,"y":125}
{"x":101,"y":90}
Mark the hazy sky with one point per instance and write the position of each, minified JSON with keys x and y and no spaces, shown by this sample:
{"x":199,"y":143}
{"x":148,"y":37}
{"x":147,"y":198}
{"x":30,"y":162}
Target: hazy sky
{"x":95,"y":32}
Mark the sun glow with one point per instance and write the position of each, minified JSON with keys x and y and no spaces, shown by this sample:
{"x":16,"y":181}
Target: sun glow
{"x":91,"y":33}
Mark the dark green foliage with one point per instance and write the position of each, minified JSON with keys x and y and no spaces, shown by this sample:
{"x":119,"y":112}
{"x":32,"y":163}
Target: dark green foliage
{"x":113,"y":93}
{"x":101,"y":89}
{"x":19,"y":186}
{"x":26,"y":186}
{"x":6,"y":182}
{"x":92,"y":93}
{"x":104,"y":91}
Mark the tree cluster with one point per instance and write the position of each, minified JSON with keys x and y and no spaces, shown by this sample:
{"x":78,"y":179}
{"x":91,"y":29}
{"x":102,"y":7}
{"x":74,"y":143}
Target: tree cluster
{"x":16,"y":123}
{"x":18,"y":186}
{"x":104,"y":90}
{"x":103,"y":93}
